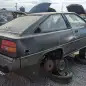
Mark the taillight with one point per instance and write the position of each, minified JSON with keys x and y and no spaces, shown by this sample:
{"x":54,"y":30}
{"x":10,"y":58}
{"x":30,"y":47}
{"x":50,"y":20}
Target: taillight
{"x":8,"y":43}
{"x":8,"y":47}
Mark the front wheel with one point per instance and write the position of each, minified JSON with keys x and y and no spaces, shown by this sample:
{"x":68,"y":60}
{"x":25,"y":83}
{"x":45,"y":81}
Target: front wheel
{"x":81,"y":57}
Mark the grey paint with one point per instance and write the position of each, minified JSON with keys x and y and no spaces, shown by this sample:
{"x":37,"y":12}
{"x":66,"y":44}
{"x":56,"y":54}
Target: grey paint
{"x":31,"y":47}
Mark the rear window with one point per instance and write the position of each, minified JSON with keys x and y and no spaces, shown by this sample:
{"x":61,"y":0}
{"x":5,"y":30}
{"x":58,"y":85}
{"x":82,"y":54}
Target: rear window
{"x":20,"y":24}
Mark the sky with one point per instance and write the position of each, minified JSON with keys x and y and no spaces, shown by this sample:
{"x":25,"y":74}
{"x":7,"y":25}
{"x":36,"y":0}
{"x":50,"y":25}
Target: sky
{"x":28,"y":4}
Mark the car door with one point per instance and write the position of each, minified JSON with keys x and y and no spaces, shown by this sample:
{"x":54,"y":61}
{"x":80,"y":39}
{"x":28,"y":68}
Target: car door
{"x":54,"y":33}
{"x":78,"y":25}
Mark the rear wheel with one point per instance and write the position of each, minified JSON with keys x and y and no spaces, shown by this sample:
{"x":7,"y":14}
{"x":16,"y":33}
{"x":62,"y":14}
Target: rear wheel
{"x":58,"y":68}
{"x":47,"y":66}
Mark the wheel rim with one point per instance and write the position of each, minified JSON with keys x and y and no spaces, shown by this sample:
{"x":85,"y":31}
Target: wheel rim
{"x":61,"y":66}
{"x":49,"y":65}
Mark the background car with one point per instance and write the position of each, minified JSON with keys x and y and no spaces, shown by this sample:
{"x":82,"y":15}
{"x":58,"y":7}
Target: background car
{"x":42,"y":7}
{"x":6,"y":16}
{"x":79,"y":9}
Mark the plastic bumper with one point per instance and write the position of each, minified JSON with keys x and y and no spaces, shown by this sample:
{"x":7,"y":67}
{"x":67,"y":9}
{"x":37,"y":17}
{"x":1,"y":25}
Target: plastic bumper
{"x":8,"y":64}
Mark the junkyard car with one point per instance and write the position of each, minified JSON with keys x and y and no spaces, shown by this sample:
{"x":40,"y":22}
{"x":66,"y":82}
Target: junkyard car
{"x":41,"y":40}
{"x":6,"y":16}
{"x":77,"y":8}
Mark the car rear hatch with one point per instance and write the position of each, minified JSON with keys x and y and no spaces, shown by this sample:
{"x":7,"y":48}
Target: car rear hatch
{"x":9,"y":36}
{"x":76,"y":8}
{"x":43,"y":7}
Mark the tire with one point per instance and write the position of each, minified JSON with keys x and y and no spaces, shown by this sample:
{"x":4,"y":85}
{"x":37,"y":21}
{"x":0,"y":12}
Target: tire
{"x":82,"y":53}
{"x":65,"y":75}
{"x":81,"y":58}
{"x":62,"y":79}
{"x":45,"y":71}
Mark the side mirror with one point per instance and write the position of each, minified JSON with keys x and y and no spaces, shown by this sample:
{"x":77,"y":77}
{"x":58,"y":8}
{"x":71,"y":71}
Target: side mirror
{"x":38,"y":30}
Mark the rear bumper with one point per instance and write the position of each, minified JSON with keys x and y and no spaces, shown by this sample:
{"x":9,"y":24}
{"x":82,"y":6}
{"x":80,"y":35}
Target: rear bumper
{"x":8,"y":64}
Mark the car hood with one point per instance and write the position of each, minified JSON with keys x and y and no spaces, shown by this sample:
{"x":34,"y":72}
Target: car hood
{"x":76,"y":8}
{"x":43,"y":7}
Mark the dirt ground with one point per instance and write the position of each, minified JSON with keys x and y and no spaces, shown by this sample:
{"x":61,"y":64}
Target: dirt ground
{"x":79,"y":78}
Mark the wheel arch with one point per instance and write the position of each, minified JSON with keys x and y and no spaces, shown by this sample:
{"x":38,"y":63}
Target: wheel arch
{"x":59,"y":51}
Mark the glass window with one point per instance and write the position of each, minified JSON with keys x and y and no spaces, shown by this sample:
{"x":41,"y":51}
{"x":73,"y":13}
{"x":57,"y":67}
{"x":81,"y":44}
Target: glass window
{"x":20,"y":24}
{"x":74,"y":20}
{"x":53,"y":23}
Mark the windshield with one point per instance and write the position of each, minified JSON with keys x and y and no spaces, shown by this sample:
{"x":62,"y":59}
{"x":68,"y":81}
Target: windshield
{"x":20,"y":24}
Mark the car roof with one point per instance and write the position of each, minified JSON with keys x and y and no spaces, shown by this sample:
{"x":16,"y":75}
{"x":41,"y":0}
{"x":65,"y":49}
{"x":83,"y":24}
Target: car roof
{"x":19,"y":26}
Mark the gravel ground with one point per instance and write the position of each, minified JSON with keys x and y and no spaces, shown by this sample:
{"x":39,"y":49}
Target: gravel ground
{"x":79,"y":78}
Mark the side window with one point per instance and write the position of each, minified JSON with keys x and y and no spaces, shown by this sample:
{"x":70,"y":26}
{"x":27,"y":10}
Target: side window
{"x":53,"y":23}
{"x":74,"y":20}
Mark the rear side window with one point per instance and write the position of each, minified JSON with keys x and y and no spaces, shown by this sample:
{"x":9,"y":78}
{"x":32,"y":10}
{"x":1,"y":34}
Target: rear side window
{"x":75,"y":20}
{"x":53,"y":23}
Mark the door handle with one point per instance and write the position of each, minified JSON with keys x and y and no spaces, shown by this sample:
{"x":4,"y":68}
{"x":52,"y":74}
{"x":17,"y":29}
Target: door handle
{"x":76,"y":31}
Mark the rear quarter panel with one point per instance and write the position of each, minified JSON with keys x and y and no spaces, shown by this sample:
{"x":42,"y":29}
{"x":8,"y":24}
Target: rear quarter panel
{"x":39,"y":44}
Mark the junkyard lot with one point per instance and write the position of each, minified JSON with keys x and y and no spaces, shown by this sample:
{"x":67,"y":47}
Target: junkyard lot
{"x":79,"y":78}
